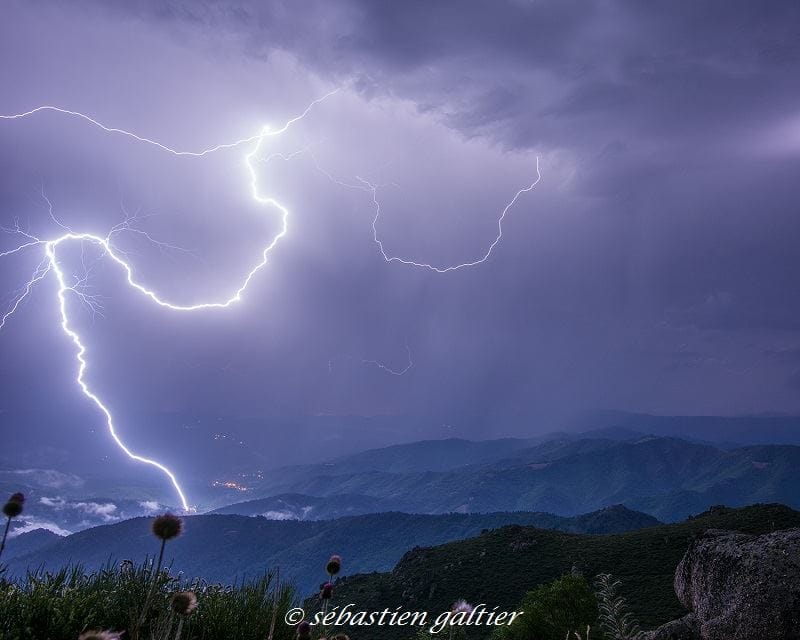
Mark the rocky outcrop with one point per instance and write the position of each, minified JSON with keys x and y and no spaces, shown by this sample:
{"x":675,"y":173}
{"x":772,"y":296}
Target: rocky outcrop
{"x":687,"y":628}
{"x":738,"y":587}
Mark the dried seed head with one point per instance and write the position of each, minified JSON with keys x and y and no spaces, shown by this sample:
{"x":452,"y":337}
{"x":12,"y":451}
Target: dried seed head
{"x":13,"y":507}
{"x":184,"y":603}
{"x":167,"y":526}
{"x":334,"y":565}
{"x":304,"y":630}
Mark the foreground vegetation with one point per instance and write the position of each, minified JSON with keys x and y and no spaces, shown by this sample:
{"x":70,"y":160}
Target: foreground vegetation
{"x":562,"y":582}
{"x":140,"y":602}
{"x":63,"y":605}
{"x":229,"y":548}
{"x":500,"y":567}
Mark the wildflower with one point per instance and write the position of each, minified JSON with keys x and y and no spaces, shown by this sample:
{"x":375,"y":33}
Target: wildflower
{"x":184,"y":603}
{"x":334,"y":565}
{"x":100,"y":635}
{"x":462,"y":606}
{"x":167,"y":526}
{"x":126,"y":566}
{"x":326,"y":591}
{"x":13,"y":507}
{"x":304,"y":630}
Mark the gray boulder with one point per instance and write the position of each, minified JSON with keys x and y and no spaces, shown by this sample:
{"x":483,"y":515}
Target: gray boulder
{"x":687,"y":628}
{"x":739,"y":587}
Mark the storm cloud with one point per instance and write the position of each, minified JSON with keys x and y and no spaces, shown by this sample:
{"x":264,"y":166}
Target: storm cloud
{"x":652,"y":269}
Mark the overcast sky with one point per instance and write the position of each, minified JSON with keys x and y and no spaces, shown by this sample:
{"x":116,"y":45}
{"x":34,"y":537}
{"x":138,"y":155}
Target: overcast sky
{"x":654,"y":268}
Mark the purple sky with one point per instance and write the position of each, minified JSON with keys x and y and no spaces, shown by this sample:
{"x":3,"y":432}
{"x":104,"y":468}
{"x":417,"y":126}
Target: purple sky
{"x":654,"y":268}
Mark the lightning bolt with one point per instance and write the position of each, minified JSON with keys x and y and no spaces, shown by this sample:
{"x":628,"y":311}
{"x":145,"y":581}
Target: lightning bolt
{"x":388,"y":369}
{"x":50,"y":262}
{"x":372,"y":190}
{"x":379,"y":365}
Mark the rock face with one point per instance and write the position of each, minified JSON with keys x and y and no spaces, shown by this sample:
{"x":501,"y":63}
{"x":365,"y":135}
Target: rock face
{"x":687,"y":628}
{"x":738,"y":587}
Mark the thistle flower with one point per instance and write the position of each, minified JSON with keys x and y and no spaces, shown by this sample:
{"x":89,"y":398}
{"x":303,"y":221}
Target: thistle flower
{"x":100,"y":635}
{"x":126,"y":566}
{"x":326,"y":591}
{"x":13,"y":507}
{"x":462,"y":606}
{"x":184,"y":603}
{"x":167,"y":526}
{"x":334,"y":565}
{"x":304,"y":630}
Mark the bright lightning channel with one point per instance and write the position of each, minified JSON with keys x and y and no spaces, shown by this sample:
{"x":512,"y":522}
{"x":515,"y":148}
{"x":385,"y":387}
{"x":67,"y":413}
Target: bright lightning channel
{"x":50,"y":262}
{"x":455,"y":267}
{"x":388,"y":369}
{"x":372,"y":190}
{"x":380,"y":365}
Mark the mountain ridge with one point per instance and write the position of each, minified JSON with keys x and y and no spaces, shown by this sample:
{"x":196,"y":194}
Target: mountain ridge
{"x":498,"y":567}
{"x":569,"y":477}
{"x":228,"y":548}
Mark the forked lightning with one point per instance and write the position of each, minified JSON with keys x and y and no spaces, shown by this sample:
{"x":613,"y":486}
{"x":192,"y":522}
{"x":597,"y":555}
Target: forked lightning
{"x":50,"y":255}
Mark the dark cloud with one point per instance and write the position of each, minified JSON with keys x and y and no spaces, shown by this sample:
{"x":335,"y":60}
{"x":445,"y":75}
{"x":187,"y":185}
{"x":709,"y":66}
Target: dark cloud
{"x":651,"y":270}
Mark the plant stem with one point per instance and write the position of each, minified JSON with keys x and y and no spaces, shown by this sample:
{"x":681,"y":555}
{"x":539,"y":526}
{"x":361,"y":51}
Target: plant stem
{"x":153,"y":583}
{"x":325,"y":608}
{"x":5,"y":535}
{"x":275,"y":595}
{"x":180,"y":628}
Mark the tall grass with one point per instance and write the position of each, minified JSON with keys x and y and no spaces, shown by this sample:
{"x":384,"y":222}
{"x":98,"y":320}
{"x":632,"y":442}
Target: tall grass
{"x":61,"y":605}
